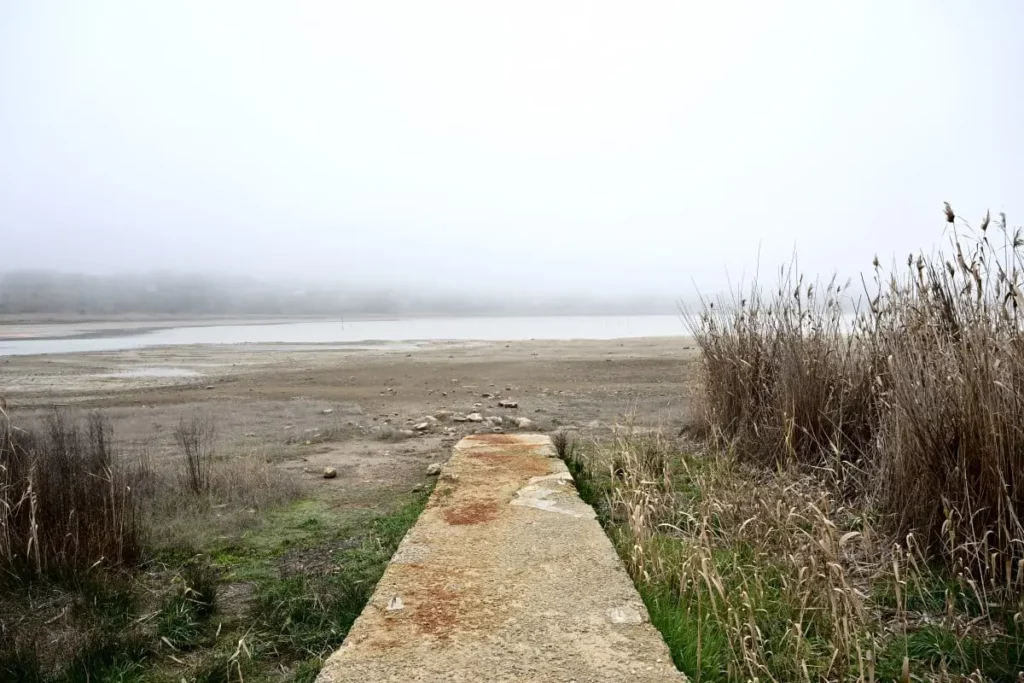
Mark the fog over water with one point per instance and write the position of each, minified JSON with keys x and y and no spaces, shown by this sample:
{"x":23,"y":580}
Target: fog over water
{"x":466,"y":157}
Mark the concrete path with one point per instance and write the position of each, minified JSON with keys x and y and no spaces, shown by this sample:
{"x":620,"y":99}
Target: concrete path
{"x":507,"y":576}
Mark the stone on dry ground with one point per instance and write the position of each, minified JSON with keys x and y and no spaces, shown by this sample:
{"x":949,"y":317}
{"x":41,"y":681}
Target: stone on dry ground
{"x":506,"y":576}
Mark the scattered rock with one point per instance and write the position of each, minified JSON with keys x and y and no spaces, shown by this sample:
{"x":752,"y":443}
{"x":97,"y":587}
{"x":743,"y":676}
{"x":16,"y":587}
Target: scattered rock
{"x":443,"y":414}
{"x":458,"y":417}
{"x":250,"y":433}
{"x":209,"y":386}
{"x":495,"y":420}
{"x":478,"y":405}
{"x":406,"y":433}
{"x":330,"y":473}
{"x":507,"y":404}
{"x":421,"y":426}
{"x":433,"y":469}
{"x":475,"y":417}
{"x":417,"y":488}
{"x":498,"y":430}
{"x":430,"y":419}
{"x":395,"y":604}
{"x":524,"y":423}
{"x":327,"y":411}
{"x":486,"y":395}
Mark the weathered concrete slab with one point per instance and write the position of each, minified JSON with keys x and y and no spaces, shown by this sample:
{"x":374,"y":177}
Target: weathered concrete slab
{"x":507,"y":576}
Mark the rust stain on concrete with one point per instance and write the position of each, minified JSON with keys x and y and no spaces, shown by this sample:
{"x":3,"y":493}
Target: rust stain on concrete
{"x":472,"y":513}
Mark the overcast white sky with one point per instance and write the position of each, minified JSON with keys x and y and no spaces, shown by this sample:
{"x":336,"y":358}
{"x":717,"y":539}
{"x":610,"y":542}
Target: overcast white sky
{"x":540,"y":146}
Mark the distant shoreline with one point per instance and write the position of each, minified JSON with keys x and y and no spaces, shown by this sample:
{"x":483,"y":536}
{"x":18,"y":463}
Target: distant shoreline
{"x":56,"y":328}
{"x":228,"y":318}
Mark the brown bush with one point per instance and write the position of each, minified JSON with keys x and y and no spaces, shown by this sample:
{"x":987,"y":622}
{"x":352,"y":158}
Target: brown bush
{"x":66,"y":502}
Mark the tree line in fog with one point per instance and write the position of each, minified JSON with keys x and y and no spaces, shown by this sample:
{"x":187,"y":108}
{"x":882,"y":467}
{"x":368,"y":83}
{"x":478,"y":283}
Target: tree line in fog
{"x":169,"y":294}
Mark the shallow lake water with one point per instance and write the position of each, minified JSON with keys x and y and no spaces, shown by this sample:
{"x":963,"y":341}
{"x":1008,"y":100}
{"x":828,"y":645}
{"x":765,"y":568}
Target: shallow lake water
{"x":363,"y":331}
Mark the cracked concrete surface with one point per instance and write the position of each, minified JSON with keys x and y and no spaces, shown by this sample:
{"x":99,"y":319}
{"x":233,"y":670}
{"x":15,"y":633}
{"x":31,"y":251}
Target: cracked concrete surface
{"x":506,"y":576}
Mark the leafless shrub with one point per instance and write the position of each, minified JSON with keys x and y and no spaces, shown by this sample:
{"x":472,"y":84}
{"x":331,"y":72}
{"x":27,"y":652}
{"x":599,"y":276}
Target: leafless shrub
{"x":241,"y":487}
{"x":195,"y":437}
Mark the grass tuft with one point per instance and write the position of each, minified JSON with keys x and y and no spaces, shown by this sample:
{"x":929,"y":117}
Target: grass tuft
{"x":187,"y":608}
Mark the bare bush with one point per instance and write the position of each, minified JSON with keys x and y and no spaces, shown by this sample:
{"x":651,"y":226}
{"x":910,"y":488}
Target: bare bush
{"x":195,"y":438}
{"x":240,"y":487}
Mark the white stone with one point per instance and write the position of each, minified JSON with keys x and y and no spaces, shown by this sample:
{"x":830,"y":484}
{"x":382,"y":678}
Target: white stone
{"x":475,"y":417}
{"x":433,"y":469}
{"x":624,"y":614}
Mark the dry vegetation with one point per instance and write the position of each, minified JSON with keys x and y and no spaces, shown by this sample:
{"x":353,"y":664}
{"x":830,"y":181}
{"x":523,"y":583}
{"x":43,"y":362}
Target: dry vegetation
{"x":855,"y":512}
{"x":114,"y":567}
{"x":66,"y":503}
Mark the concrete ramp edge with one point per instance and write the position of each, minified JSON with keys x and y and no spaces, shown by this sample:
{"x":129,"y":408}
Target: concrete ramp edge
{"x":506,"y":576}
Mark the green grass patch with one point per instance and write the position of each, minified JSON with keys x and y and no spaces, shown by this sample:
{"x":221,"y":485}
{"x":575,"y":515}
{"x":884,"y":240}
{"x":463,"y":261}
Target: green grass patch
{"x":109,"y":658}
{"x":187,"y":609}
{"x":307,"y":572}
{"x":306,"y":617}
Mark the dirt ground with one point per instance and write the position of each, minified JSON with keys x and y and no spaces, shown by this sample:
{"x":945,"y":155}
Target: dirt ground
{"x":311,"y":407}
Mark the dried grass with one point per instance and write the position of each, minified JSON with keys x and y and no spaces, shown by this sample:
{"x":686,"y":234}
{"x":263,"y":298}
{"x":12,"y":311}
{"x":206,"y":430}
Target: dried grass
{"x":756,"y":574}
{"x":68,"y":503}
{"x":912,"y":400}
{"x":855,"y":511}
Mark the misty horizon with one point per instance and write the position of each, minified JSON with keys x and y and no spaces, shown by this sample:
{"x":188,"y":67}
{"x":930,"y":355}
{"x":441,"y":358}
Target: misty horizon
{"x":191,"y":294}
{"x":585,"y":150}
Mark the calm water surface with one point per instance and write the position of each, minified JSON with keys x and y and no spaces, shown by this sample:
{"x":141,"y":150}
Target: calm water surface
{"x":327,"y":332}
